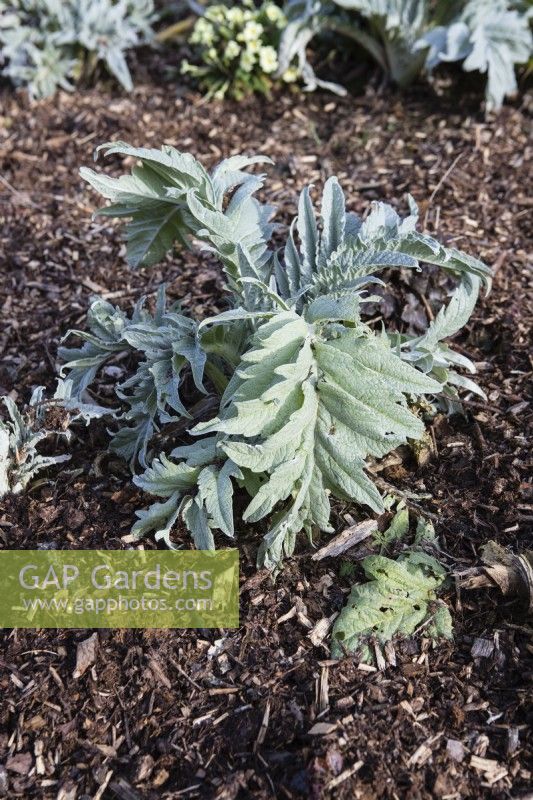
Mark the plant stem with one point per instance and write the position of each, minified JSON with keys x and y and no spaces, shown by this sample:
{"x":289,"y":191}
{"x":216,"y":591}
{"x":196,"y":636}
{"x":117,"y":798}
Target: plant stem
{"x":175,"y":30}
{"x":368,"y":42}
{"x":216,"y":376}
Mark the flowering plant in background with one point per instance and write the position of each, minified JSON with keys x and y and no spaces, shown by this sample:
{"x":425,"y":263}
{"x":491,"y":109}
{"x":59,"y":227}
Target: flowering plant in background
{"x":236,"y":49}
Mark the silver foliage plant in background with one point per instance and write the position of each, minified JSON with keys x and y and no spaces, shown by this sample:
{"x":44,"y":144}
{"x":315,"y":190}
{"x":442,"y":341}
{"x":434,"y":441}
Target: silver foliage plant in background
{"x":46,"y":44}
{"x":407,"y":37}
{"x":289,"y":392}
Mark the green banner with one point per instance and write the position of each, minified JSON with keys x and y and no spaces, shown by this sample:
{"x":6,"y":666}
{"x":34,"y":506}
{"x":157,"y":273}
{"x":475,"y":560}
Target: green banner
{"x":119,"y":589}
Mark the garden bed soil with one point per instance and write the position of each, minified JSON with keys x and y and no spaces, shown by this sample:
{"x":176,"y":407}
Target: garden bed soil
{"x":166,"y":713}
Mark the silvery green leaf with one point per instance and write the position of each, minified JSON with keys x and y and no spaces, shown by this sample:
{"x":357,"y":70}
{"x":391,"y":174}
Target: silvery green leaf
{"x":282,"y":279}
{"x":191,"y":351}
{"x":308,"y":232}
{"x":164,"y":478}
{"x":45,"y":43}
{"x":171,"y":198}
{"x":429,"y":353}
{"x":499,"y":40}
{"x":117,"y":65}
{"x":292,"y":263}
{"x":454,"y":316}
{"x":443,"y":43}
{"x":330,"y":307}
{"x":198,"y":454}
{"x":170,"y":343}
{"x":195,"y":517}
{"x":306,"y":19}
{"x":229,"y":173}
{"x":215,"y":489}
{"x":20,"y":435}
{"x":490,"y":37}
{"x":156,"y":219}
{"x":131,"y":441}
{"x":307,"y":412}
{"x":463,"y":382}
{"x":159,"y":518}
{"x":333,"y":214}
{"x":4,"y":459}
{"x":77,"y":408}
{"x":106,"y":336}
{"x":233,"y":315}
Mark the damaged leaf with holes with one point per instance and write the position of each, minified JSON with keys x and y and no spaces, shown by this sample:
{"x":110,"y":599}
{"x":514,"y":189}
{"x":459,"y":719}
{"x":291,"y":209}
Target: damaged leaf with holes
{"x":398,"y":600}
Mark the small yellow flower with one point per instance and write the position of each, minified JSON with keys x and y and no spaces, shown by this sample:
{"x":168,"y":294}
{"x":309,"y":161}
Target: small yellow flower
{"x":247,"y":61}
{"x":290,"y":75}
{"x":251,"y":32}
{"x":203,"y":33}
{"x":235,"y":17}
{"x":232,"y":50}
{"x":216,"y":14}
{"x":268,"y":59}
{"x":254,"y":46}
{"x":274,"y":13}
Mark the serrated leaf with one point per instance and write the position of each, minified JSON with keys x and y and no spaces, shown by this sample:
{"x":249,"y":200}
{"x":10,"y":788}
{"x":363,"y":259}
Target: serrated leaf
{"x":215,"y":489}
{"x":307,"y":413}
{"x":170,"y":198}
{"x":159,"y":518}
{"x":164,"y":478}
{"x":195,"y":518}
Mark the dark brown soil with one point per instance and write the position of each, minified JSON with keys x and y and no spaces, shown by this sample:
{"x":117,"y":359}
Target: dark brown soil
{"x":158,"y":715}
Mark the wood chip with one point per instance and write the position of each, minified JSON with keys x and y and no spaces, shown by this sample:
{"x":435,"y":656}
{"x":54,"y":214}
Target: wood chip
{"x":67,"y":792}
{"x":322,"y":728}
{"x":158,"y":673}
{"x":21,"y":763}
{"x":38,"y":749}
{"x":348,"y":538}
{"x":145,"y":768}
{"x":85,"y":655}
{"x":482,"y":648}
{"x":264,"y":727}
{"x":320,"y":629}
{"x":455,"y":750}
{"x":323,"y":690}
{"x":344,"y":775}
{"x":420,"y":756}
{"x":513,"y":740}
{"x":423,"y":752}
{"x":491,"y":769}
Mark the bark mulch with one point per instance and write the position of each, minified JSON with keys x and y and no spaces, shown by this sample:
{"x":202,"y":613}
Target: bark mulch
{"x":233,"y":714}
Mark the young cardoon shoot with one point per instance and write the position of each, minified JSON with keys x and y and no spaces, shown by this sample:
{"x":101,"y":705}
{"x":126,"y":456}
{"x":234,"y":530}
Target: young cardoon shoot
{"x":288,"y":393}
